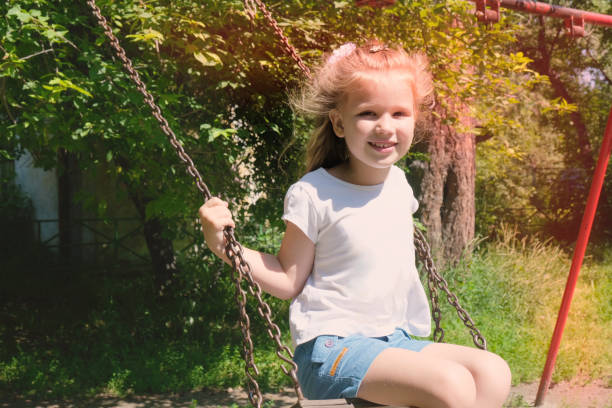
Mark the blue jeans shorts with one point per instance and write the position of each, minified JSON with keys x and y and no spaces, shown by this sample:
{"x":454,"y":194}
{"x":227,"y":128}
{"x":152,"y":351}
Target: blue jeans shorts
{"x":332,"y":367}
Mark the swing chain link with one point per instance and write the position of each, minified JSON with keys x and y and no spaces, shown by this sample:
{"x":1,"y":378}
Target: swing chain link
{"x":436,"y":281}
{"x":233,"y":249}
{"x":239,"y":268}
{"x":248,"y":6}
{"x":149,"y":100}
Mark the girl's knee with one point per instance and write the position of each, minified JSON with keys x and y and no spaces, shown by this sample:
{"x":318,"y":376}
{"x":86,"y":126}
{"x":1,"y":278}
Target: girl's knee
{"x":493,"y":379}
{"x":497,"y":368}
{"x":456,"y":387}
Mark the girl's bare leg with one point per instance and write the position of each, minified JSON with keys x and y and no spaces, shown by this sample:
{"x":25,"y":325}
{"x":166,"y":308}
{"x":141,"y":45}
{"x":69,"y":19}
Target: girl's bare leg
{"x":490,"y":372}
{"x":441,"y":375}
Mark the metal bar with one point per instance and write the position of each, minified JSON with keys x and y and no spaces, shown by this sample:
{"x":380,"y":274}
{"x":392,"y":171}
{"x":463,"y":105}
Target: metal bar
{"x":551,"y":10}
{"x":579,"y":250}
{"x":132,"y":232}
{"x":115,"y":242}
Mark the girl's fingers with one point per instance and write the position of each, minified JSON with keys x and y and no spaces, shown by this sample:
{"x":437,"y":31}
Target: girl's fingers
{"x":221,"y":222}
{"x":216,"y":214}
{"x":215,"y":201}
{"x":224,"y":221}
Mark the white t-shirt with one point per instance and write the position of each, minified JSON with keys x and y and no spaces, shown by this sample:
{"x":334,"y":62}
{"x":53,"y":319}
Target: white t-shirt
{"x":364,"y":279}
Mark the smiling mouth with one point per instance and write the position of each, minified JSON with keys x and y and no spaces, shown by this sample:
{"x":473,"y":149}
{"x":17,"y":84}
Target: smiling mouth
{"x":380,"y":145}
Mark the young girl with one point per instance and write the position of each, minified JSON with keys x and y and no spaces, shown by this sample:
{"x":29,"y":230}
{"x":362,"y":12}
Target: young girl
{"x":347,"y":255}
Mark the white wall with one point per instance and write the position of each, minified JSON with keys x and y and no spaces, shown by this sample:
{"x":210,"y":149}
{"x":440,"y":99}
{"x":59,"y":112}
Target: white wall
{"x":41,"y":187}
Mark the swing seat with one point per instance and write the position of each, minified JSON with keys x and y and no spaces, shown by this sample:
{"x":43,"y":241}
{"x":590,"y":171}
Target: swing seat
{"x":337,"y":403}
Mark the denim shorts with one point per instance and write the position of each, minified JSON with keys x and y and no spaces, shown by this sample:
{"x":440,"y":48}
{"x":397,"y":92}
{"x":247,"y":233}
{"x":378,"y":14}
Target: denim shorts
{"x":332,"y":367}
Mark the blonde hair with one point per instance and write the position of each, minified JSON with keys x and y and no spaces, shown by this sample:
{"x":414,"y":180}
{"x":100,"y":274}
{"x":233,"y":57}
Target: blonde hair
{"x":333,"y":78}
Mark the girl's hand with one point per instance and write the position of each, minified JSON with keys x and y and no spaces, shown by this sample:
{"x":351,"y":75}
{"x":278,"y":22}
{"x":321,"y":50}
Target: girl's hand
{"x":215,"y":216}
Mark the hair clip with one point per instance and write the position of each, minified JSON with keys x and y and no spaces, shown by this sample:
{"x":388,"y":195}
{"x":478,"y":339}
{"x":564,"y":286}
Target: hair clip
{"x":341,"y":52}
{"x":377,"y":48}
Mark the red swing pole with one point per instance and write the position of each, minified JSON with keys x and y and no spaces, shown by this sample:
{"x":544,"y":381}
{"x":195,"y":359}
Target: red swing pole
{"x":579,"y":250}
{"x":574,"y":22}
{"x":488,"y":11}
{"x":551,"y":10}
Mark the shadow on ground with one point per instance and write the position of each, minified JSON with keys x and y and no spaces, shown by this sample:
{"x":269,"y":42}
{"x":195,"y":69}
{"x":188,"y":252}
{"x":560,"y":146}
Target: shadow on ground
{"x":596,"y":394}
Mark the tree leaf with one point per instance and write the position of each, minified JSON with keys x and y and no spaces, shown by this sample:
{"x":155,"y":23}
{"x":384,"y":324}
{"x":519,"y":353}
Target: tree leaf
{"x":208,"y":59}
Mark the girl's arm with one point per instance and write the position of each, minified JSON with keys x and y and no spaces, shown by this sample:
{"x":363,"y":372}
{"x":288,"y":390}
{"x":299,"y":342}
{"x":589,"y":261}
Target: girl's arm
{"x":282,"y":275}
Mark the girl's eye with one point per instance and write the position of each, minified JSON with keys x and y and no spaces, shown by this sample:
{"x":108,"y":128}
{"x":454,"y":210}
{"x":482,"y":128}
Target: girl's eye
{"x":367,"y":113}
{"x":402,"y":113}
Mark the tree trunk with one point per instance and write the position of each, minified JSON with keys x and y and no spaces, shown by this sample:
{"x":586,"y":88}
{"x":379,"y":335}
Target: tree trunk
{"x":160,"y":248}
{"x":162,"y":254}
{"x":458,"y":214}
{"x":68,"y":210}
{"x":447,"y":190}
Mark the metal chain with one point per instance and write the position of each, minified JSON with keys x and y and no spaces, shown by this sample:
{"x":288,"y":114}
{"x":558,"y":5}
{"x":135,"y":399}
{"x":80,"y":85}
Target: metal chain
{"x":234,"y":251}
{"x":435,"y":280}
{"x":163,"y":123}
{"x":243,"y":270}
{"x":279,"y":32}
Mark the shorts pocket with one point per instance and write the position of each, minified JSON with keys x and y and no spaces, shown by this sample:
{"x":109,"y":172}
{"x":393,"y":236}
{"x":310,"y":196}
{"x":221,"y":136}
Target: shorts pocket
{"x":404,"y":333}
{"x":323,"y":346}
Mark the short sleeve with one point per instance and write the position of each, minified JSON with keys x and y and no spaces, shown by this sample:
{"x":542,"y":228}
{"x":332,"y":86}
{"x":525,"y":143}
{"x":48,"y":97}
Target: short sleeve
{"x":415,"y":204}
{"x":300,"y":210}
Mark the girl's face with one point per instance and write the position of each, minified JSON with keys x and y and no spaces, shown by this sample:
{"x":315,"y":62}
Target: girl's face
{"x":376,"y":119}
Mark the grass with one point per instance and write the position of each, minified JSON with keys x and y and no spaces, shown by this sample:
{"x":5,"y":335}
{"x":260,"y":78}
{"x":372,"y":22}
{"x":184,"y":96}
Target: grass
{"x":125,"y":341}
{"x":514,"y":287}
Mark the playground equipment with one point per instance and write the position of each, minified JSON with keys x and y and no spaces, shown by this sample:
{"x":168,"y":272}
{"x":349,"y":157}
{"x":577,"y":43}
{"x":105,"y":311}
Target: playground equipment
{"x":488,"y":11}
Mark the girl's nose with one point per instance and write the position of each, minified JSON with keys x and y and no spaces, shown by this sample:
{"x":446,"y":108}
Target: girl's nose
{"x":383,"y":127}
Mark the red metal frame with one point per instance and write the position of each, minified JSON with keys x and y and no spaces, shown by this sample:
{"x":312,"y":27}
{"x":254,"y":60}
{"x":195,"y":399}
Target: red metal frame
{"x":574,"y":23}
{"x":579,"y":250}
{"x":574,"y":19}
{"x":485,"y":14}
{"x":551,"y":10}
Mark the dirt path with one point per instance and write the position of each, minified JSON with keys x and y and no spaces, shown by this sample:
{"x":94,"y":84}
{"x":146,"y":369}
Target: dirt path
{"x":567,"y":395}
{"x":563,"y":395}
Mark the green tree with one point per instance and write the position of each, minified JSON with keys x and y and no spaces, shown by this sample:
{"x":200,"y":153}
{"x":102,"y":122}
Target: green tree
{"x":547,"y":168}
{"x":63,"y":95}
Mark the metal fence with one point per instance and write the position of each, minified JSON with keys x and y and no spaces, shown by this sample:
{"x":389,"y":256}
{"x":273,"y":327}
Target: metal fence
{"x":94,"y":241}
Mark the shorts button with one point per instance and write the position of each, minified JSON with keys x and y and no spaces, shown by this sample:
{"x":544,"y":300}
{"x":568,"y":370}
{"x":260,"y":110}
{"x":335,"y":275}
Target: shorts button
{"x":329,"y":343}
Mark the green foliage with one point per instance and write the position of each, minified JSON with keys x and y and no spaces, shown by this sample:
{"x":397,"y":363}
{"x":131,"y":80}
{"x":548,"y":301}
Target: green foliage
{"x":542,"y":163}
{"x":508,"y":186}
{"x":62,"y":90}
{"x":14,"y":204}
{"x":121,"y":338}
{"x":221,"y":84}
